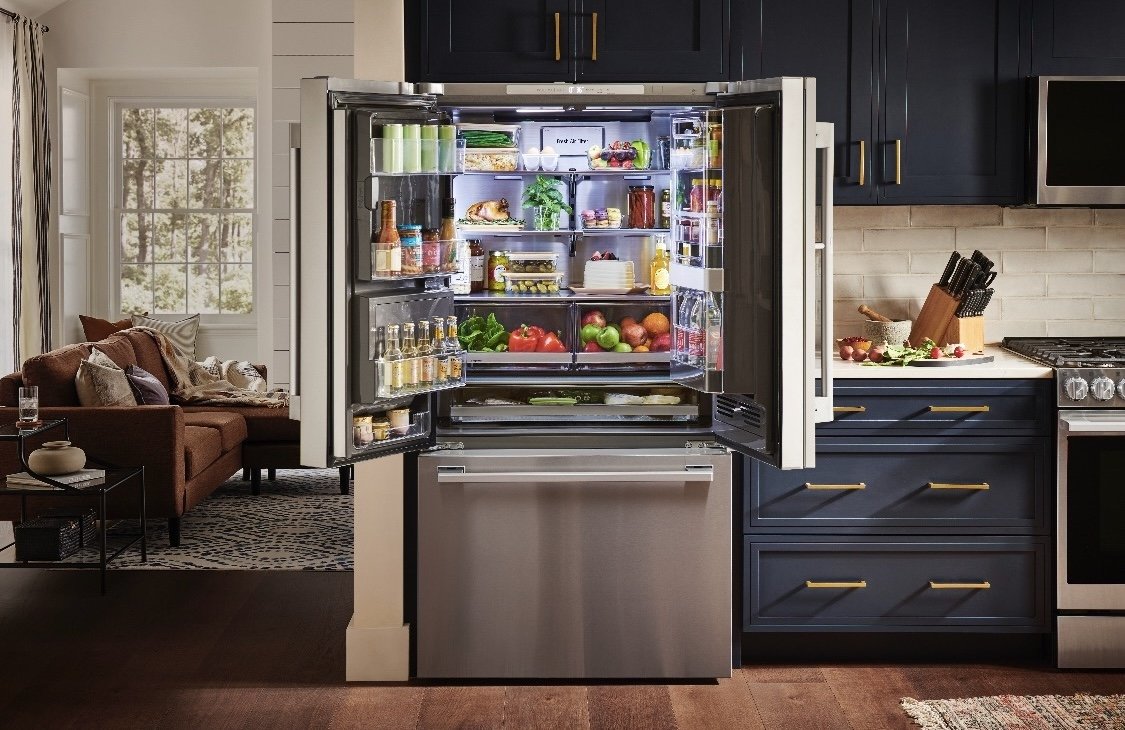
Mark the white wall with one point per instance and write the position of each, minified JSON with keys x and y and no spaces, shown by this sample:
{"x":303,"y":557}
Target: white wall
{"x":96,"y":40}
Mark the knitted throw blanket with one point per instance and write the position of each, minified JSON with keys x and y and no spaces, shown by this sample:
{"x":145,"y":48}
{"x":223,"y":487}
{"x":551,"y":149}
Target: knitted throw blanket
{"x":214,"y":382}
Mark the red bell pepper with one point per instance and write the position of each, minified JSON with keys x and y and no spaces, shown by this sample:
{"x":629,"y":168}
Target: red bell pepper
{"x":522,"y":339}
{"x":536,"y":330}
{"x":550,"y":342}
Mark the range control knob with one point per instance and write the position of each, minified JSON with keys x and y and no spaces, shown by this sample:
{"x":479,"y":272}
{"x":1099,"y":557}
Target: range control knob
{"x":1076,"y":388}
{"x":1101,"y":388}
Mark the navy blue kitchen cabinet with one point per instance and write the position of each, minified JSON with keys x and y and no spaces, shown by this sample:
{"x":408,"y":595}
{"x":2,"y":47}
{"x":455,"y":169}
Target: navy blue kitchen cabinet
{"x":1078,"y":38}
{"x":567,"y":40}
{"x":927,"y":97}
{"x":929,"y":509}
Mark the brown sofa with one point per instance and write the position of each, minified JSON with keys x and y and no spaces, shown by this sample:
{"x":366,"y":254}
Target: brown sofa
{"x":187,"y":452}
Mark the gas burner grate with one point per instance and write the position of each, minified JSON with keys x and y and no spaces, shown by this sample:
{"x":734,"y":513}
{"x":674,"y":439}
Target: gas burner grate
{"x":1070,"y":352}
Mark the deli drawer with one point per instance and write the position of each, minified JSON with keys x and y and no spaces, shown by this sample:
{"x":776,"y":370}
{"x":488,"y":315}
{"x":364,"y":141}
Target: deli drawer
{"x":987,"y":485}
{"x":839,"y":584}
{"x":947,"y":407}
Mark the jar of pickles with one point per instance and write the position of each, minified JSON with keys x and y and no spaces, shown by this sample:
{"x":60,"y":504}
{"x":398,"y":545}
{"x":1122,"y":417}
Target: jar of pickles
{"x":498,"y":263}
{"x":411,"y":237}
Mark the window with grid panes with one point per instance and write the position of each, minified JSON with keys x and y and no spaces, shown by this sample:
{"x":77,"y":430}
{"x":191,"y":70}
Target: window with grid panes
{"x":184,"y":208}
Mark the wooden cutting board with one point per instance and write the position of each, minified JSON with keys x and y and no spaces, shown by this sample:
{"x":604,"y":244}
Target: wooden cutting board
{"x":943,"y":361}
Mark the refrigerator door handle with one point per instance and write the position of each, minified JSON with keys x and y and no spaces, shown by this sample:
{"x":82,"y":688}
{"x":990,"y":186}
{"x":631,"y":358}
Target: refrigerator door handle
{"x":824,"y":144}
{"x":294,"y":270}
{"x":458,"y":475}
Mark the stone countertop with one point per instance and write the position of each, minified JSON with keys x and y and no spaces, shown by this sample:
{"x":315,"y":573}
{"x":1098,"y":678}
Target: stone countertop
{"x":1004,"y":365}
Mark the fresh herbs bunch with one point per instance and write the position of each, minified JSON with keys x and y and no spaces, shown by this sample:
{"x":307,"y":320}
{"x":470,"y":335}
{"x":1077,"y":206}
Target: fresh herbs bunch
{"x":905,"y":354}
{"x":545,"y":197}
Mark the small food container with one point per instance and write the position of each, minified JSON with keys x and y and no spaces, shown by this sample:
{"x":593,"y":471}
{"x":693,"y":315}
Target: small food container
{"x":361,"y":431}
{"x":530,"y":161}
{"x":399,"y":421}
{"x":549,"y":163}
{"x":532,"y":283}
{"x":490,"y":135}
{"x":380,"y":429}
{"x":484,"y":159}
{"x":533,"y":262}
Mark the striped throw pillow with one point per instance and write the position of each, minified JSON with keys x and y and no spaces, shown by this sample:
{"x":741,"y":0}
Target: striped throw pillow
{"x":182,"y":333}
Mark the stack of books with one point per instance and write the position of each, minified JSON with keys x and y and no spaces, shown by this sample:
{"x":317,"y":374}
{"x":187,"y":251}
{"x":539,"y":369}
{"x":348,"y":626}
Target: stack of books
{"x":80,"y":478}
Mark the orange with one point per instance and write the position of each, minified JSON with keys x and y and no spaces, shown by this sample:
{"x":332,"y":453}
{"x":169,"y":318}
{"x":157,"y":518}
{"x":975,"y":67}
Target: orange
{"x":640,"y":348}
{"x":656,"y":324}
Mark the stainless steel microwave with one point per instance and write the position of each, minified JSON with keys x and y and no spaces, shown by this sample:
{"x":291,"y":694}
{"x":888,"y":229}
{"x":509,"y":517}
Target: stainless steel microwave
{"x":1079,"y":143}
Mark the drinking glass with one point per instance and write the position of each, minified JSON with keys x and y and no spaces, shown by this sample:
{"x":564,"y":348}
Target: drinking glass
{"x":29,"y":404}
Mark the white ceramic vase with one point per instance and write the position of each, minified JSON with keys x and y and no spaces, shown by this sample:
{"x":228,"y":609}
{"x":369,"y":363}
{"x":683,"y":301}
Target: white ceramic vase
{"x":56,"y":457}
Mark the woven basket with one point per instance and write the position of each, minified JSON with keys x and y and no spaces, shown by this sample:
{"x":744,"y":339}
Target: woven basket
{"x":54,"y":535}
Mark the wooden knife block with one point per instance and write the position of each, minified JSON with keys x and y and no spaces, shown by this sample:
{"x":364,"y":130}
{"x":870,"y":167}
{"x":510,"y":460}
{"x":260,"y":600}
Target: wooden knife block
{"x":935,"y":317}
{"x":969,"y":331}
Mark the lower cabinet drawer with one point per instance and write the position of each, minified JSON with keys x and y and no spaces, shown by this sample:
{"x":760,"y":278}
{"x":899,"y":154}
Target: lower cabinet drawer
{"x":883,"y":485}
{"x":888,"y":583}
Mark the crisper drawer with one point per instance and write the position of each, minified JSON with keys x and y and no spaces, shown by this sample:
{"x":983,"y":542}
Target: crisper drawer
{"x":837,"y":584}
{"x":1001,"y":407}
{"x":945,"y":485}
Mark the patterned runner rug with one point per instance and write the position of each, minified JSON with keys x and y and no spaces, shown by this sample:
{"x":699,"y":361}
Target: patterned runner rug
{"x":300,"y":521}
{"x":1016,"y":712}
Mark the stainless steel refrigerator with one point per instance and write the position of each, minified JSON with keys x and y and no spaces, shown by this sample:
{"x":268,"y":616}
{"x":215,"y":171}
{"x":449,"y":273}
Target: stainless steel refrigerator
{"x":499,"y":473}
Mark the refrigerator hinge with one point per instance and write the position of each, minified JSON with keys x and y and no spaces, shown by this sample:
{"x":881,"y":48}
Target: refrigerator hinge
{"x":447,"y":446}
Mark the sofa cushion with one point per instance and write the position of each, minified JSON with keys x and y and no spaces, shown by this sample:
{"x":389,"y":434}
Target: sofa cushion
{"x":182,"y":333}
{"x":94,"y":329}
{"x":231,"y":426}
{"x":148,"y":355}
{"x":53,"y":372}
{"x":100,"y":382}
{"x":10,"y":388}
{"x":118,"y":348}
{"x":146,"y":388}
{"x":202,"y":446}
{"x":262,"y":424}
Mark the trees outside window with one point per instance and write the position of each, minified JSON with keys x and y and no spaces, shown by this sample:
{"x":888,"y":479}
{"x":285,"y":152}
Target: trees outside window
{"x":184,"y":208}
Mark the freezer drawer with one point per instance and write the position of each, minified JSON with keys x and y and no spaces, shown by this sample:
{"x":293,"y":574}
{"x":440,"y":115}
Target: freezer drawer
{"x":574,"y":564}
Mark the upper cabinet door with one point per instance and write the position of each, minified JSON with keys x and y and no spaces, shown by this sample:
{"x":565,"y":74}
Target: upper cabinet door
{"x":494,"y":40}
{"x":833,"y":41}
{"x":1078,"y":37}
{"x":953,"y":102}
{"x":657,"y":40}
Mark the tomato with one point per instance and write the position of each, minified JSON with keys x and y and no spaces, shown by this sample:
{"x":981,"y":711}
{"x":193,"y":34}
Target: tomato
{"x":550,"y":342}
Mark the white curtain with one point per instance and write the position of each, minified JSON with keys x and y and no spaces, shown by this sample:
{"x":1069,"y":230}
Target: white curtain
{"x":25,"y":195}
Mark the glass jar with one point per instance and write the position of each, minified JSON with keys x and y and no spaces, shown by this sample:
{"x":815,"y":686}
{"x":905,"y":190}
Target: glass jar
{"x":697,"y":195}
{"x":411,"y":237}
{"x":642,"y":206}
{"x":666,"y":208}
{"x":431,"y":251}
{"x":497,"y":265}
{"x":477,"y":262}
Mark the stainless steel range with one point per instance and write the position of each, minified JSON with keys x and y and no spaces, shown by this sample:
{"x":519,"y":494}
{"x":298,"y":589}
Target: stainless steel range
{"x":1090,"y":544}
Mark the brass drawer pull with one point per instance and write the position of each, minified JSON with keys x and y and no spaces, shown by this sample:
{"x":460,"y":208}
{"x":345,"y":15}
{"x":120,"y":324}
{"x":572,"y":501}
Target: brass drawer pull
{"x":836,"y":487}
{"x":959,"y":409}
{"x":836,"y":584}
{"x":594,"y":37}
{"x":862,"y":162}
{"x":982,"y":586}
{"x":558,"y":48}
{"x":982,"y":487}
{"x":849,"y":409}
{"x":898,"y":162}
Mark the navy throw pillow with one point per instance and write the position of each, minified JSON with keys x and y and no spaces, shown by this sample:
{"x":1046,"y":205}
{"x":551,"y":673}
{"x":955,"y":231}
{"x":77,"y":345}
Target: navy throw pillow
{"x":146,"y":388}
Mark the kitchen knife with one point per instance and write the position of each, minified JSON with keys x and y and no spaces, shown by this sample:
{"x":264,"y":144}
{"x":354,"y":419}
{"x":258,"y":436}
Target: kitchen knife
{"x":972,"y":271}
{"x":950,"y":267}
{"x":959,"y":273}
{"x":983,"y":261}
{"x":965,"y":308}
{"x":985,"y":299}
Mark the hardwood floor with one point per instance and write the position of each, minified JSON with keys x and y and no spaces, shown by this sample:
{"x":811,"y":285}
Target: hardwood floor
{"x":215,"y":649}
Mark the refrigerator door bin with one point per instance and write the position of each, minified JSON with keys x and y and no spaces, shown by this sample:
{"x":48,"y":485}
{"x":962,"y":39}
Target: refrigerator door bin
{"x":574,"y":564}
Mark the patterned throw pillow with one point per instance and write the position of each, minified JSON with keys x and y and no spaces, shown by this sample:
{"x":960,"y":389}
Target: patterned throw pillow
{"x":146,"y":388}
{"x":182,"y":333}
{"x":100,"y":382}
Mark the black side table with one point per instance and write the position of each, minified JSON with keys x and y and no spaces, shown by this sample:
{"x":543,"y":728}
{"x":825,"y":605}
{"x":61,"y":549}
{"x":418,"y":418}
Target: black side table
{"x":114,"y":478}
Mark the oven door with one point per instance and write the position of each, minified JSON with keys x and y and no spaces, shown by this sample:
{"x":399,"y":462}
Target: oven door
{"x":1091,"y":511}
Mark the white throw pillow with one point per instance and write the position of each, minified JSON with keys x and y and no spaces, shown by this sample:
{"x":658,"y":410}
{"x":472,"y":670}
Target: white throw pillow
{"x":100,"y":382}
{"x":182,"y":334}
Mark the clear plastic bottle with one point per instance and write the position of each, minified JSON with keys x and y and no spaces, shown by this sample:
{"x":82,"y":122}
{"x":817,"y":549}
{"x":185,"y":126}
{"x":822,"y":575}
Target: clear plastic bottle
{"x":714,"y":360}
{"x":453,"y":347}
{"x":697,"y":331}
{"x":382,"y":367}
{"x":683,"y":321}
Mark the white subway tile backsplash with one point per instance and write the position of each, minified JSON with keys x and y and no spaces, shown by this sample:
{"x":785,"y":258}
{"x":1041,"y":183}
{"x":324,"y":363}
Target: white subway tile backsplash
{"x":1086,"y":328}
{"x":1015,"y":328}
{"x":1047,"y":262}
{"x":313,"y":39}
{"x":847,"y":286}
{"x":905,"y":286}
{"x":1086,"y":238}
{"x":1110,"y":308}
{"x":1035,"y":308}
{"x":845,"y":239}
{"x":908,"y":239}
{"x":1085,"y":285}
{"x":1000,"y":238}
{"x":924,"y":262}
{"x":1041,"y":217}
{"x":1110,"y":262}
{"x":871,"y":263}
{"x":1026,"y":285}
{"x":1110,"y":217}
{"x":955,"y":215}
{"x":871,"y":216}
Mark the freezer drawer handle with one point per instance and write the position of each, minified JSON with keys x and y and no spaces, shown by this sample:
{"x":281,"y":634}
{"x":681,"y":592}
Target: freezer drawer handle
{"x":959,"y":409}
{"x":849,"y":409}
{"x":836,"y":584}
{"x":836,"y":487}
{"x":982,"y":487}
{"x":982,"y":586}
{"x":691,"y":474}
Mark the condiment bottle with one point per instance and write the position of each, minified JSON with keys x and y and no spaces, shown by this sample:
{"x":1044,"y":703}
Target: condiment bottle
{"x":410,"y":368}
{"x":441,"y":357}
{"x":410,"y":236}
{"x":666,"y":208}
{"x":697,"y":195}
{"x":448,"y":222}
{"x":715,"y":144}
{"x":394,"y":363}
{"x":476,"y":265}
{"x":431,"y":251}
{"x":453,"y":347}
{"x":388,"y":245}
{"x":659,"y":269}
{"x":425,"y":353}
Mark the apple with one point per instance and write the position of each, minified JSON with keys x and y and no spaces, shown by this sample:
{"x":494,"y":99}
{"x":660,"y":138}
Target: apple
{"x":661,"y":343}
{"x":594,"y":316}
{"x":592,"y":346}
{"x":634,"y":334}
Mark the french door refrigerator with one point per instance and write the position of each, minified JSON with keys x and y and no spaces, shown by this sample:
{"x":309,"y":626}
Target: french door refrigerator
{"x":757,"y":270}
{"x":500,"y":470}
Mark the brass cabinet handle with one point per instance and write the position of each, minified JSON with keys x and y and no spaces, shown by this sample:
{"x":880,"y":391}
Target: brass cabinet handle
{"x":558,"y":48}
{"x":836,"y":487}
{"x":982,"y":586}
{"x":862,"y":162}
{"x":594,"y":35}
{"x":982,"y":487}
{"x":849,"y":409}
{"x":959,"y":409}
{"x":836,"y":584}
{"x":898,"y":162}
